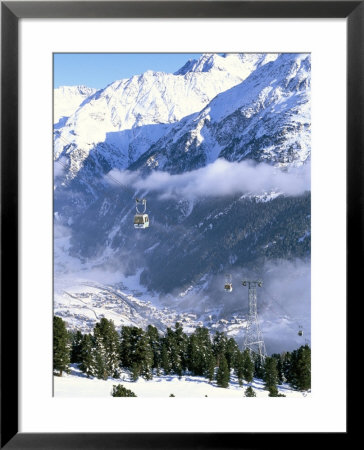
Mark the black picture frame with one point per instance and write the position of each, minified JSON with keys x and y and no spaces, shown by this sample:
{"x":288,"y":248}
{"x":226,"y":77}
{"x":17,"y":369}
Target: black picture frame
{"x":11,"y":12}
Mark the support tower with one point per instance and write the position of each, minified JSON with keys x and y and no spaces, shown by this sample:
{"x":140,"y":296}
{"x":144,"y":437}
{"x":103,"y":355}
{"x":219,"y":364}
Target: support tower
{"x":253,"y":337}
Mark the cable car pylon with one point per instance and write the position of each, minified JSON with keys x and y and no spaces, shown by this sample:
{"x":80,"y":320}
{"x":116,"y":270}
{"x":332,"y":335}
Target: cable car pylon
{"x":253,"y":340}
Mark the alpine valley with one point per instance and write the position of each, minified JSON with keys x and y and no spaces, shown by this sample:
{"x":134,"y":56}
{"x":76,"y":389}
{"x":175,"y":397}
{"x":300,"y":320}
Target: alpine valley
{"x":221,"y":151}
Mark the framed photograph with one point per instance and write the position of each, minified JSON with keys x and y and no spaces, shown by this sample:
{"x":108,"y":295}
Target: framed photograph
{"x":167,"y":230}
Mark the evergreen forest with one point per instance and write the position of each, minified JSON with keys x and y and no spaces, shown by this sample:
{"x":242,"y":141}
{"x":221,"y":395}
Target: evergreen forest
{"x":142,"y":353}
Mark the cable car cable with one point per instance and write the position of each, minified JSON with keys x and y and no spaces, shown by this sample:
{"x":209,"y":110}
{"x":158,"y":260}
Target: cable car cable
{"x":141,"y":220}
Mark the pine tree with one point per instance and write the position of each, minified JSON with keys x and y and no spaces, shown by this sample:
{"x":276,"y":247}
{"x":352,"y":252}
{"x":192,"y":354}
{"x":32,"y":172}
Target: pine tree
{"x":168,"y":352}
{"x":248,"y":366}
{"x":76,"y":342}
{"x":165,"y":361}
{"x":210,"y":373}
{"x":144,"y":356}
{"x":279,"y":360}
{"x":219,"y":345}
{"x":126,"y":347}
{"x":193,"y":359}
{"x":304,"y":368}
{"x":270,"y":375}
{"x":99,"y":358}
{"x":136,"y":352}
{"x":223,"y":373}
{"x":120,"y":391}
{"x":249,"y":392}
{"x":273,"y":391}
{"x":61,"y":346}
{"x":231,"y":352}
{"x":175,"y":343}
{"x":179,"y":350}
{"x":239,"y":367}
{"x":107,"y":342}
{"x":99,"y":354}
{"x":286,"y":366}
{"x":258,"y":366}
{"x":155,"y":344}
{"x":299,"y":374}
{"x":87,"y":363}
{"x":135,"y":371}
{"x":200,"y":352}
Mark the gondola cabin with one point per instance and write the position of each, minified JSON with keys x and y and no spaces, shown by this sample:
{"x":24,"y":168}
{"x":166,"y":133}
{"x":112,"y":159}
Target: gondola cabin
{"x":228,"y":287}
{"x":141,"y":221}
{"x":300,"y":333}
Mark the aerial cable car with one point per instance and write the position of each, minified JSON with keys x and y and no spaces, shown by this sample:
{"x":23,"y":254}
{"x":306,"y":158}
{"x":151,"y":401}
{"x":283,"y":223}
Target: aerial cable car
{"x":141,"y":220}
{"x":300,"y":331}
{"x":228,"y":283}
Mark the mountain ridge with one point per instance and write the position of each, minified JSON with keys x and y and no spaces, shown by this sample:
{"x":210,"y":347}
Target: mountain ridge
{"x":231,"y":125}
{"x":130,"y":115}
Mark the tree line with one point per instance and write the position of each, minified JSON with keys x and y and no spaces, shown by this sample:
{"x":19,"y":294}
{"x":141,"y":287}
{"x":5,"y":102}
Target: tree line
{"x":146,"y":353}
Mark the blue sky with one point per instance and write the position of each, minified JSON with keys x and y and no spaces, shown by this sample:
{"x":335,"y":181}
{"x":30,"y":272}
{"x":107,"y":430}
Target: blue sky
{"x":97,"y":70}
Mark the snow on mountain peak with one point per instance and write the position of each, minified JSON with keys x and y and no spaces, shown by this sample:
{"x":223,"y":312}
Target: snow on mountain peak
{"x":130,"y":115}
{"x":75,"y":90}
{"x":68,"y":98}
{"x":188,"y":67}
{"x":266,"y":118}
{"x":241,"y":64}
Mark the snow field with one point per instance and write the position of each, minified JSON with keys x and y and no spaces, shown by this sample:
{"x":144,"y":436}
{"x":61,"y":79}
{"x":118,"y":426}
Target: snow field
{"x":76,"y":384}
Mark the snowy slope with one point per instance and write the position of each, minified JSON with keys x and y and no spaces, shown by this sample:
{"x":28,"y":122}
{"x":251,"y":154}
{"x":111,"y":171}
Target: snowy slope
{"x":77,"y":385}
{"x":83,"y":302}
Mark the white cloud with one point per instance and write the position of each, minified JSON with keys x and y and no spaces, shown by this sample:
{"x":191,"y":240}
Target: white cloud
{"x":221,"y":178}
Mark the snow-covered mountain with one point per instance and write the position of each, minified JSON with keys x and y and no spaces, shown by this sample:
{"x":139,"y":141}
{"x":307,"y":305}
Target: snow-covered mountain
{"x":231,"y":107}
{"x":242,"y":64}
{"x":66,"y":101}
{"x":265,"y":118}
{"x":119,"y":123}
